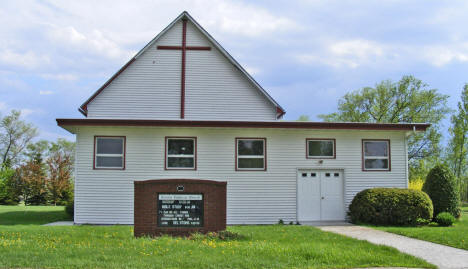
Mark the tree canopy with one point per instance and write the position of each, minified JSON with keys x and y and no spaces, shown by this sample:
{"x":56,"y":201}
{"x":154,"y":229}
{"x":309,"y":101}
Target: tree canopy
{"x":404,"y":101}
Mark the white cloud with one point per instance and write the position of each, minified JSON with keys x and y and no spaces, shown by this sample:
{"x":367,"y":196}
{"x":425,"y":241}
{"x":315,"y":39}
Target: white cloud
{"x":66,"y":77}
{"x":3,"y":106}
{"x":244,"y":19}
{"x":442,"y":55}
{"x":252,"y":70}
{"x":26,"y":112}
{"x":94,"y":42}
{"x":46,"y":92}
{"x":28,"y":59}
{"x":345,"y":53}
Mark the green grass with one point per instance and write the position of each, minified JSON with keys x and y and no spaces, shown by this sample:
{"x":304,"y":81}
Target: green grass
{"x":270,"y":246}
{"x":455,"y":236}
{"x":21,"y":215}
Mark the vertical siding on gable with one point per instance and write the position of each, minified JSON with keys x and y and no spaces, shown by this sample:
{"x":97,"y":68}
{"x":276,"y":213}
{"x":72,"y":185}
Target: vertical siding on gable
{"x":254,"y":197}
{"x":215,"y":89}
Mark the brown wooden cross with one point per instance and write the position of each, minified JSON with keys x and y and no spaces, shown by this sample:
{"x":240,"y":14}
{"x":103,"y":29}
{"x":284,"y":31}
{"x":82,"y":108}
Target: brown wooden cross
{"x":183,"y":48}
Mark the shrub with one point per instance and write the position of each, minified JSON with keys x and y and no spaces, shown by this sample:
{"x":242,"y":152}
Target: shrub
{"x":445,"y":219}
{"x":391,"y":206}
{"x":442,"y":188}
{"x":416,"y":184}
{"x":70,"y":208}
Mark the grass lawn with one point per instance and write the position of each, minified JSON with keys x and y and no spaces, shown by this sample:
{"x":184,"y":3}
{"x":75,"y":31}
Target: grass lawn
{"x":455,"y":236}
{"x":269,"y":246}
{"x":17,"y":215}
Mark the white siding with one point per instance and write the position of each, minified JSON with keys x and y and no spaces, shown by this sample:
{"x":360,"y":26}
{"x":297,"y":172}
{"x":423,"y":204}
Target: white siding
{"x":254,"y":197}
{"x":215,"y":89}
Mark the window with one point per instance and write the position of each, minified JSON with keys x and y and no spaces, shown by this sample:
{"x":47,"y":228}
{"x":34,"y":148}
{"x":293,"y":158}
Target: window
{"x":181,"y":153}
{"x":376,"y":155}
{"x":109,"y":152}
{"x":320,"y":148}
{"x":251,"y":154}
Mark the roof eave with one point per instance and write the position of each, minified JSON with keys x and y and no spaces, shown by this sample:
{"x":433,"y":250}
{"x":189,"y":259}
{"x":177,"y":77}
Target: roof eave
{"x":245,"y":124}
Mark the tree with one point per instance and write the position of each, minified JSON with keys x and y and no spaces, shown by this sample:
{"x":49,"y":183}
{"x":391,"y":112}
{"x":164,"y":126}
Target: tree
{"x":303,"y":118}
{"x":442,"y":188}
{"x":8,"y":193}
{"x":32,"y":183}
{"x":408,"y":100}
{"x":457,"y":149}
{"x":458,"y":144}
{"x":15,"y":135}
{"x":37,"y":151}
{"x":65,"y":147}
{"x":59,"y":179}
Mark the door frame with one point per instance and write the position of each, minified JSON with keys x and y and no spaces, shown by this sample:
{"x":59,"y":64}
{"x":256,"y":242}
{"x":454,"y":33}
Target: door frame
{"x":299,"y":169}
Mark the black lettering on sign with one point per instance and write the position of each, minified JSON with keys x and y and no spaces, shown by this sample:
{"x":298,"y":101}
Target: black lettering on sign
{"x":180,"y":210}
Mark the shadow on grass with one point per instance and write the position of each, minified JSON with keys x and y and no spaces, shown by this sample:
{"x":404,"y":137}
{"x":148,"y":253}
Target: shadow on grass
{"x":26,"y":217}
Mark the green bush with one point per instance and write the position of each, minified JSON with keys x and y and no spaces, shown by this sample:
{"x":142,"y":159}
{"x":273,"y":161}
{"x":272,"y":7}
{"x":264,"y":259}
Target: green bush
{"x":391,"y":206}
{"x":445,"y":219}
{"x":70,"y":208}
{"x":442,"y":188}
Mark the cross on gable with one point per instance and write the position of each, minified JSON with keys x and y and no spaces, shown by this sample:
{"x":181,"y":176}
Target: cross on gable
{"x":183,"y":48}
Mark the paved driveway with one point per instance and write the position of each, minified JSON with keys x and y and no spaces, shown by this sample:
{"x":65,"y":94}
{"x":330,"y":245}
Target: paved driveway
{"x":440,"y":255}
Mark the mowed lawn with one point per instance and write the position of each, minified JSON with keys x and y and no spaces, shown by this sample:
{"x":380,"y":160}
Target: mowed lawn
{"x":455,"y":236}
{"x":29,"y":245}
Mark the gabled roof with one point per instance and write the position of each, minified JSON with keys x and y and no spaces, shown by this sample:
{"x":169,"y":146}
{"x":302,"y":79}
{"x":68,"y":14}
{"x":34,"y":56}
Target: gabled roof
{"x":185,"y":15}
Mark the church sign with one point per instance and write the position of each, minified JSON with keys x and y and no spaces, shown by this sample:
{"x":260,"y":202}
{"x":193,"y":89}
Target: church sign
{"x":180,"y":210}
{"x":179,"y":207}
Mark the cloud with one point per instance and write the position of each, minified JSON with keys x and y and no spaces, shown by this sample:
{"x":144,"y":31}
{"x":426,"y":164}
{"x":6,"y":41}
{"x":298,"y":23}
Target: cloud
{"x":26,"y":112}
{"x":345,"y":53}
{"x":66,"y":77}
{"x":244,"y":19}
{"x":93,"y":42}
{"x":27,"y":59}
{"x":46,"y":92}
{"x":3,"y":107}
{"x":443,"y":55}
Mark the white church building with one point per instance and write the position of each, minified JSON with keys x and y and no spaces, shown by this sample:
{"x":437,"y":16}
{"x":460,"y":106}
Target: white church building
{"x":183,"y":108}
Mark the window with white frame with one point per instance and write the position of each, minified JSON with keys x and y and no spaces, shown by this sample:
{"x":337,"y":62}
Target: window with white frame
{"x":376,"y":155}
{"x":109,"y":152}
{"x":320,"y":148}
{"x":181,"y":152}
{"x":250,"y":154}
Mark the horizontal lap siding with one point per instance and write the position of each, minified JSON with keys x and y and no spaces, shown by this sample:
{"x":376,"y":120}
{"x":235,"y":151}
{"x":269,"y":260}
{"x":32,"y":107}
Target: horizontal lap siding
{"x":106,"y":196}
{"x":150,"y":88}
{"x":217,"y":90}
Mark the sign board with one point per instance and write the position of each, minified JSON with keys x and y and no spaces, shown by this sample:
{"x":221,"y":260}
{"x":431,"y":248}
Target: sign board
{"x":180,"y":210}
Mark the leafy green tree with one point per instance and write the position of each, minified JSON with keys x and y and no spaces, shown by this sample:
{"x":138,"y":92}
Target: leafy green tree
{"x":303,"y":118}
{"x":442,"y":188}
{"x":408,"y":100}
{"x":65,"y":147}
{"x":37,"y":151}
{"x":458,"y":144}
{"x":8,"y":193}
{"x":15,"y":135}
{"x":457,"y":149}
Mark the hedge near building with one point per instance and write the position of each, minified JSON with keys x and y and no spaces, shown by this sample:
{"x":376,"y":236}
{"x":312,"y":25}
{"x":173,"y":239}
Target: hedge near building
{"x":442,"y":188}
{"x":391,"y":206}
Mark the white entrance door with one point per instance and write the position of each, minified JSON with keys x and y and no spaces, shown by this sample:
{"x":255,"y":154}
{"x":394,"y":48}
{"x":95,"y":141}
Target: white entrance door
{"x":320,"y":195}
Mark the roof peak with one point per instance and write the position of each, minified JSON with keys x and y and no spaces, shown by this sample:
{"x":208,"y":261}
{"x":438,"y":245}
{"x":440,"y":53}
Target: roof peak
{"x":185,"y":15}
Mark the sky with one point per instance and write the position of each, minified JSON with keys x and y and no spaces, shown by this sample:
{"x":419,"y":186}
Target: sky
{"x":307,"y":54}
